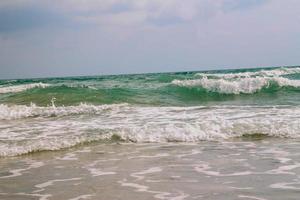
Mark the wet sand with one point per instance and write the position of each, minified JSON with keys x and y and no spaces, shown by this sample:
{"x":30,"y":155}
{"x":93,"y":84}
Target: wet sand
{"x":267,"y":169}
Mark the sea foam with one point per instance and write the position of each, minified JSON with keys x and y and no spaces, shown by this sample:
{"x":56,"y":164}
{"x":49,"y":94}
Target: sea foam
{"x":238,"y":86}
{"x":21,"y":88}
{"x":262,"y":73}
{"x":23,"y":111}
{"x":245,"y":82}
{"x":143,"y":124}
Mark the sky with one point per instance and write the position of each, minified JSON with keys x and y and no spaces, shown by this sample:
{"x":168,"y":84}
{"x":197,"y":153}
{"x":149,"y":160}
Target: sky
{"x":50,"y":38}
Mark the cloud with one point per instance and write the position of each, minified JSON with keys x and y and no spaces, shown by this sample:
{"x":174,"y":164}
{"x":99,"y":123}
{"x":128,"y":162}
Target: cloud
{"x":21,"y":17}
{"x":116,"y":12}
{"x":143,"y":11}
{"x":155,"y":9}
{"x":59,"y":37}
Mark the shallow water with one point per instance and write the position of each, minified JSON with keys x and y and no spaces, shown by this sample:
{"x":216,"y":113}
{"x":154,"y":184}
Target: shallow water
{"x":262,"y":169}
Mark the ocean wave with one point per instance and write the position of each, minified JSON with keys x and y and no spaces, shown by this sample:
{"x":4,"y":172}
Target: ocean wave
{"x":21,"y":88}
{"x":50,"y":144}
{"x":147,"y":124}
{"x":22,"y":111}
{"x":261,"y":73}
{"x":246,"y":85}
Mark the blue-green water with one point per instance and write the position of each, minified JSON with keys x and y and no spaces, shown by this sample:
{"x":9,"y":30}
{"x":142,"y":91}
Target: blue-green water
{"x":277,"y":86}
{"x":217,"y":135}
{"x":54,"y":113}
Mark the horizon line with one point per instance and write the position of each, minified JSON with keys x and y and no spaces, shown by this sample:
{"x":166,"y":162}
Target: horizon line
{"x":162,"y":72}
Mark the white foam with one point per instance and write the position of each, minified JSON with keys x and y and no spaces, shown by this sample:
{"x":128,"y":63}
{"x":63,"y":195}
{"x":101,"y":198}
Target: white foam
{"x":99,"y":172}
{"x":139,"y":175}
{"x":69,"y":157}
{"x":141,"y":124}
{"x":179,"y":195}
{"x":244,"y":82}
{"x":205,"y":169}
{"x":138,"y":187}
{"x":85,"y":196}
{"x":43,"y":143}
{"x":285,"y":169}
{"x":51,"y":182}
{"x":262,"y":73}
{"x":39,"y":196}
{"x":19,"y":172}
{"x":237,"y":86}
{"x":251,"y":197}
{"x":21,"y":111}
{"x":286,"y":186}
{"x":21,"y":88}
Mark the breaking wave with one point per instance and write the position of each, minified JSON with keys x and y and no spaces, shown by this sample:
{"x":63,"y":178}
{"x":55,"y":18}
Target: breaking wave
{"x":21,"y":111}
{"x":262,"y":73}
{"x":21,"y":88}
{"x":141,"y":124}
{"x":242,"y":83}
{"x":158,"y":108}
{"x":240,"y":86}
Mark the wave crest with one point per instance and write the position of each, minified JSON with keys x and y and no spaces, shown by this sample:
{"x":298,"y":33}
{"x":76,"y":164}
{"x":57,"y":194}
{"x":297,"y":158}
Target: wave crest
{"x":21,"y":88}
{"x":261,"y":73}
{"x":21,"y":111}
{"x":246,"y":82}
{"x":147,"y":124}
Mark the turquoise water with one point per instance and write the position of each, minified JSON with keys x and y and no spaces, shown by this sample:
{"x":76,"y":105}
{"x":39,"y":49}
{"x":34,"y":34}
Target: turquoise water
{"x":55,"y":113}
{"x":217,"y":135}
{"x":275,"y":86}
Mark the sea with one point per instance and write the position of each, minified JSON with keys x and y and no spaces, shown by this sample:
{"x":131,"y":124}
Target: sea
{"x":220,"y":135}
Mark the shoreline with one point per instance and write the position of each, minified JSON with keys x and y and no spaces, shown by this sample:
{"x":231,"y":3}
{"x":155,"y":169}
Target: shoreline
{"x":240,"y":169}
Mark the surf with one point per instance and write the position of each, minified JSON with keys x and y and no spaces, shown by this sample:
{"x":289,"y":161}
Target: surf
{"x":243,"y":82}
{"x":21,"y":88}
{"x":186,"y":107}
{"x":55,"y":128}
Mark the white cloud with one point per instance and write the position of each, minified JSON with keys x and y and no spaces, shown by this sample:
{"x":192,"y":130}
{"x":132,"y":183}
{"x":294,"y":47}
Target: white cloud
{"x":137,"y":12}
{"x":151,"y":35}
{"x":130,"y":12}
{"x":120,"y":19}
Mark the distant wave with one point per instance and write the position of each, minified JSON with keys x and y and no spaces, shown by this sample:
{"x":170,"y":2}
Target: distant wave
{"x":141,"y":124}
{"x":21,"y":88}
{"x":245,"y":82}
{"x":262,"y":73}
{"x":241,"y":86}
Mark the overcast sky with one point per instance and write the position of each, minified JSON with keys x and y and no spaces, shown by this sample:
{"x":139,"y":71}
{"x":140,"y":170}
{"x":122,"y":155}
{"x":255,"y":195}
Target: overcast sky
{"x":42,"y":38}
